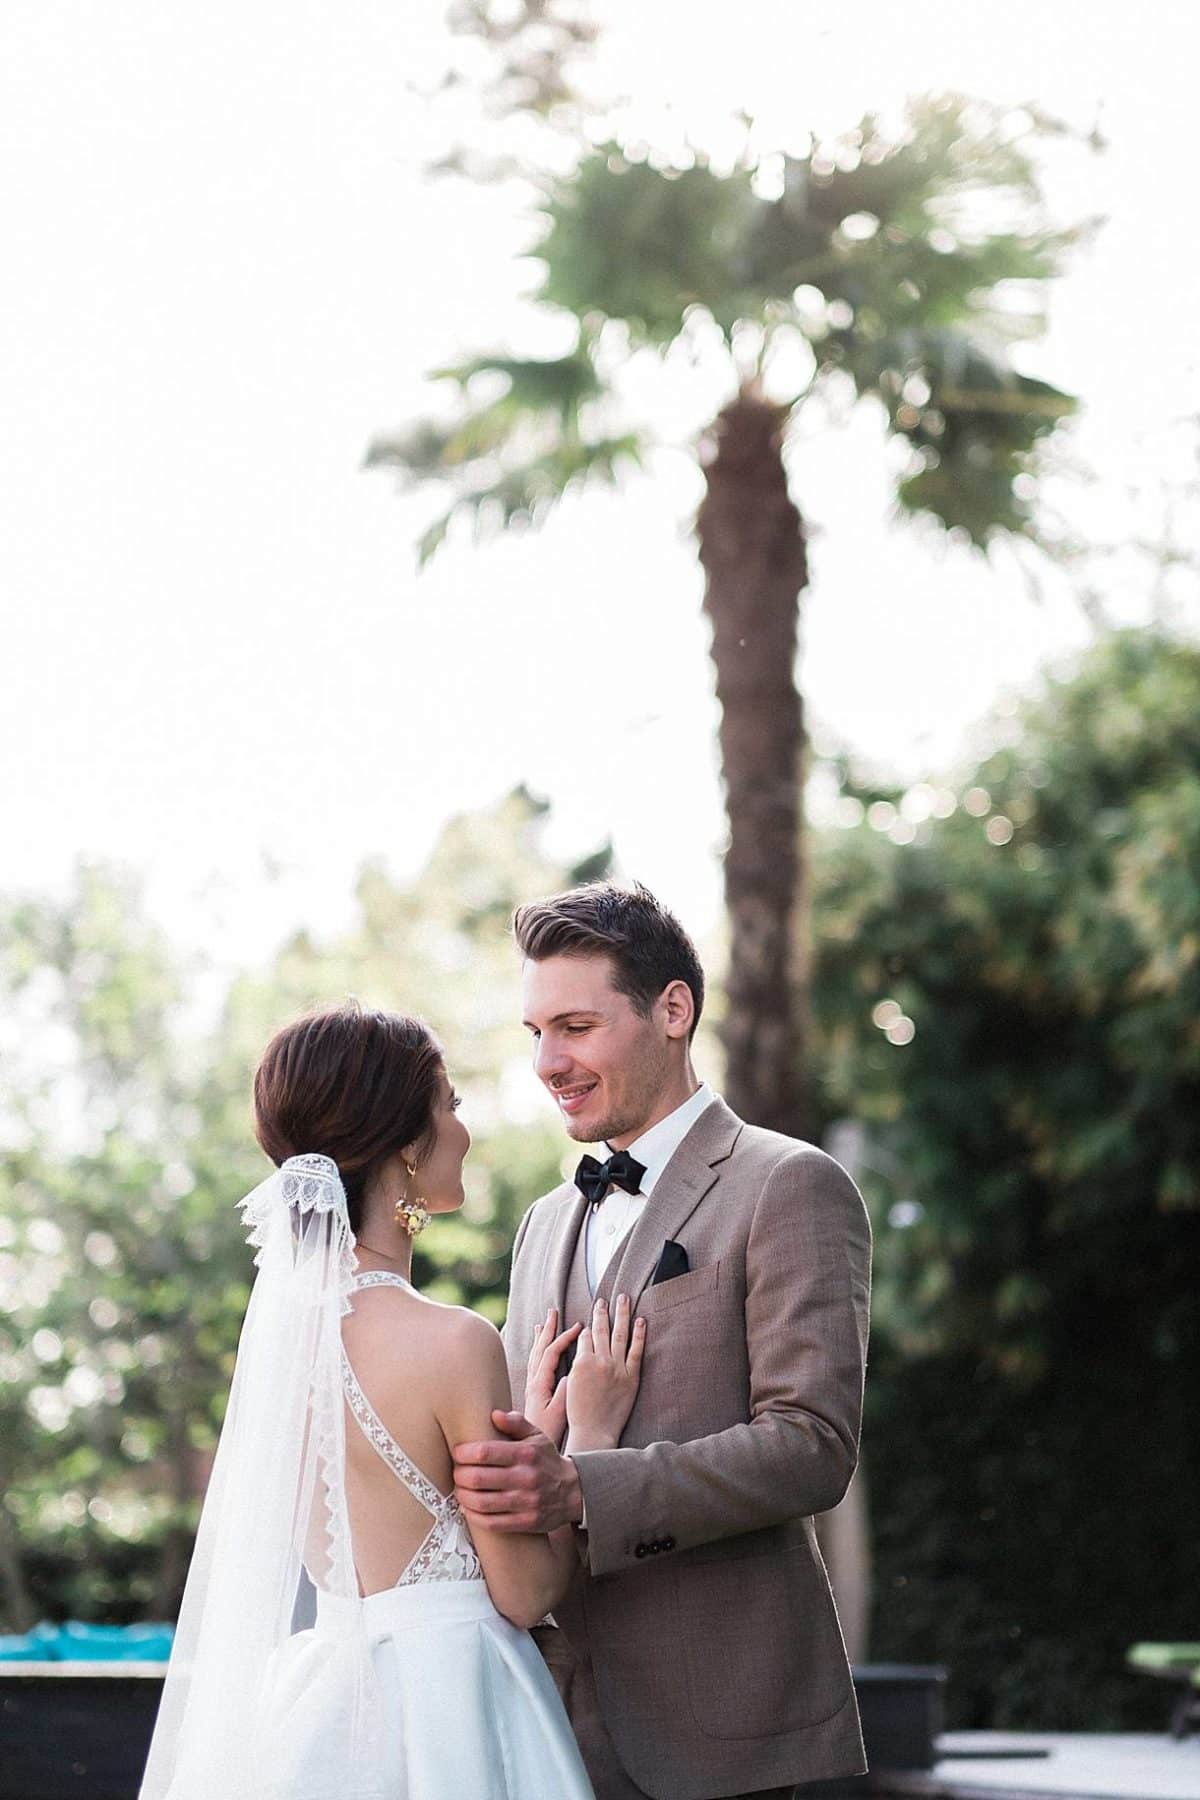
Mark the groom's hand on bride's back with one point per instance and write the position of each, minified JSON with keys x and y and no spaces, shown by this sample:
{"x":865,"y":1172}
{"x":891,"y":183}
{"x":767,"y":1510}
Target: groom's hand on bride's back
{"x":519,"y":1482}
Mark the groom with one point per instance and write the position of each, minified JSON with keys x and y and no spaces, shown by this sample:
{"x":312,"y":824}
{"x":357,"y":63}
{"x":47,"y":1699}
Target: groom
{"x":698,"y":1652}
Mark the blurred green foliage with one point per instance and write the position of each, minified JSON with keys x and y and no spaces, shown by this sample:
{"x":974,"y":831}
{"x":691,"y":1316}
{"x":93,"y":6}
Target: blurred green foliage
{"x":1010,"y":1008}
{"x":125,"y":1140}
{"x":1008,"y":1004}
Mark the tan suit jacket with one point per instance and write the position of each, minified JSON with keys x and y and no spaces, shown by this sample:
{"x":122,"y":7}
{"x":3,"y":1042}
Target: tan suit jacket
{"x":703,"y":1602}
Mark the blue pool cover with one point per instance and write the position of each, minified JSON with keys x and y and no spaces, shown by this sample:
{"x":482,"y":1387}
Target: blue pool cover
{"x":74,"y":1642}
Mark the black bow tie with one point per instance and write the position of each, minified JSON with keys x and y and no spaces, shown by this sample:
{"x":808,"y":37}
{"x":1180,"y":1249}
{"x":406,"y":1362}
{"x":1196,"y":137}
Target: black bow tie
{"x":593,"y":1179}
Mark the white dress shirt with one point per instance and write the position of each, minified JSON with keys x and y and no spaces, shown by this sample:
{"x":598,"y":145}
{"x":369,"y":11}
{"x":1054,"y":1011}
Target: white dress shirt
{"x":610,"y":1222}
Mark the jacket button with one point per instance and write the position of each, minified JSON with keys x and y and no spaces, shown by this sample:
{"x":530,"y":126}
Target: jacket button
{"x":641,"y":1550}
{"x":668,"y":1543}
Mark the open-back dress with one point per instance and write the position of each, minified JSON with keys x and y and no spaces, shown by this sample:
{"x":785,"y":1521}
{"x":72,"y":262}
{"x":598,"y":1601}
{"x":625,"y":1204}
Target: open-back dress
{"x":469,"y":1709}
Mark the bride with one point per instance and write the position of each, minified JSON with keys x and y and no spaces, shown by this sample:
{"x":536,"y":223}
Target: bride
{"x":342,"y":1633}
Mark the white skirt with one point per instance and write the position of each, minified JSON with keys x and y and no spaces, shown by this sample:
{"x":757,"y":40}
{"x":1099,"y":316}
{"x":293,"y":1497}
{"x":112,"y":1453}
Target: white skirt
{"x":466,"y":1707}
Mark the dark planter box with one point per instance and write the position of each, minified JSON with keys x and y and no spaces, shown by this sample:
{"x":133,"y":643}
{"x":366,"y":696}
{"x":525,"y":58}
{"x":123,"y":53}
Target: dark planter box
{"x":76,"y":1731}
{"x":902,"y":1706}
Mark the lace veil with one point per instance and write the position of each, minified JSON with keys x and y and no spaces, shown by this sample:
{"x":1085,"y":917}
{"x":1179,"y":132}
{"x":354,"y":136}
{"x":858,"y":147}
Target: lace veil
{"x":275,"y":1507}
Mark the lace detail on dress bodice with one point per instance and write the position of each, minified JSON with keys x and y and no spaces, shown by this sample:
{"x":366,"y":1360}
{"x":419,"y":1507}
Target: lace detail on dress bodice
{"x":447,"y":1553}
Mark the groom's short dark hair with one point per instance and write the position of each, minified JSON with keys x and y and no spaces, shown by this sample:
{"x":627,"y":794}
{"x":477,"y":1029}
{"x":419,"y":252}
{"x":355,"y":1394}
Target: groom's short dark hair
{"x":646,"y":944}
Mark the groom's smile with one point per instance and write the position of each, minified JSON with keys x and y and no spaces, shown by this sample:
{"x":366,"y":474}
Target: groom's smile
{"x":572,"y":1099}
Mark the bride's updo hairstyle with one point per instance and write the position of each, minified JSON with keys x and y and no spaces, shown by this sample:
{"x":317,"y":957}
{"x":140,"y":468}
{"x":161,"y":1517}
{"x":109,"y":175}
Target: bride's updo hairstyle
{"x":357,"y":1086}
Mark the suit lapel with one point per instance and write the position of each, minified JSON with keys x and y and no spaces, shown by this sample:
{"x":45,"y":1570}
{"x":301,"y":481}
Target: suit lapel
{"x":691,"y":1174}
{"x":560,"y":1250}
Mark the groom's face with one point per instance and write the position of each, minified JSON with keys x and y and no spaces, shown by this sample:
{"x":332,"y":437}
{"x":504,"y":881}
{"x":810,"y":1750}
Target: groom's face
{"x":604,"y":1063}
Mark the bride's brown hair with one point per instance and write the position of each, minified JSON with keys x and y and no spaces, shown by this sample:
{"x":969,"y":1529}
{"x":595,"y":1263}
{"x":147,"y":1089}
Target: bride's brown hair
{"x":357,"y":1086}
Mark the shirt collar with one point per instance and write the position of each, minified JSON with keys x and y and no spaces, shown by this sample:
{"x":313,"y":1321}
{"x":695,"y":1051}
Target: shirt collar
{"x":655,"y":1148}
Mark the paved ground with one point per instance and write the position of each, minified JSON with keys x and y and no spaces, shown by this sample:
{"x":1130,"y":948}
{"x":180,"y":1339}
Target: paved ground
{"x":1083,"y":1766}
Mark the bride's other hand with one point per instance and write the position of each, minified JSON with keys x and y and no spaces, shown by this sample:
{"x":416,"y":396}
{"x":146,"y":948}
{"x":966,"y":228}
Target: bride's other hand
{"x":603,"y":1382}
{"x":546,"y":1397}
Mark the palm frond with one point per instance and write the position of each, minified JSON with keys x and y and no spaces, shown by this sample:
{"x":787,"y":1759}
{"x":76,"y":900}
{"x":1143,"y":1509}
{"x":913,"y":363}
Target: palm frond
{"x":522,"y":494}
{"x":562,"y":384}
{"x":912,"y":258}
{"x":524,"y":433}
{"x":423,"y":452}
{"x":628,"y":240}
{"x":531,"y":401}
{"x":928,"y":220}
{"x":975,"y":426}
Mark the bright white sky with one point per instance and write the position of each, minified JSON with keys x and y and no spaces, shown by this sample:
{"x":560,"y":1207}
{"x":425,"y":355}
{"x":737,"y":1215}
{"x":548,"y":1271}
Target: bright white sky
{"x":226,"y":273}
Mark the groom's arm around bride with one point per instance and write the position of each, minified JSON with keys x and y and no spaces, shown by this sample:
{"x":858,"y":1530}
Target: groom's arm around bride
{"x":699,"y":1651}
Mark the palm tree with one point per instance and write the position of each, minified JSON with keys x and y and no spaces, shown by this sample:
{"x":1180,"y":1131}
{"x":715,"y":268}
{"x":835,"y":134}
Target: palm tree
{"x":906,"y":264}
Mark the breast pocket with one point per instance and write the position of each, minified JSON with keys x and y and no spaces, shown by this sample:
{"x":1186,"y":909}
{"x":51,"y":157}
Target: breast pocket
{"x":695,"y":1379}
{"x":680,"y":1289}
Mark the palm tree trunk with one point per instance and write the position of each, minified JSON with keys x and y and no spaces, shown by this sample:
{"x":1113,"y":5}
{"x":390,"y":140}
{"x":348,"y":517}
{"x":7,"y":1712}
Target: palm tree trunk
{"x":753,"y":553}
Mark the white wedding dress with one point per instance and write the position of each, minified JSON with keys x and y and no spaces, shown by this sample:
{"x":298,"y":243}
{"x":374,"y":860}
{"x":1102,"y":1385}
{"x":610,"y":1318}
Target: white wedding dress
{"x":468,"y":1708}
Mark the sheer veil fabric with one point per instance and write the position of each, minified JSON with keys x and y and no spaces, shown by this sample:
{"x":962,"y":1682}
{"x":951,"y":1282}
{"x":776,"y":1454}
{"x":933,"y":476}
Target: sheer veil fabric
{"x":276,"y":1503}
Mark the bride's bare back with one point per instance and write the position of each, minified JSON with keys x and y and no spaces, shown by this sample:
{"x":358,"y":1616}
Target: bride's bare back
{"x":430,"y":1376}
{"x":404,"y":1354}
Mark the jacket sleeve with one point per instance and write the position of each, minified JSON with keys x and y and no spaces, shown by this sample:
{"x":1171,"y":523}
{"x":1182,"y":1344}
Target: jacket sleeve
{"x":808,"y":1260}
{"x":514,"y":1350}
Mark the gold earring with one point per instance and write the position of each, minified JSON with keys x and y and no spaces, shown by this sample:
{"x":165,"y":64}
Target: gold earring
{"x":410,"y":1213}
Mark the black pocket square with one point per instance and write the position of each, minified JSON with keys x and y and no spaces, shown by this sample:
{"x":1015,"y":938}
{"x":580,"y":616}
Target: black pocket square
{"x":672,"y":1262}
